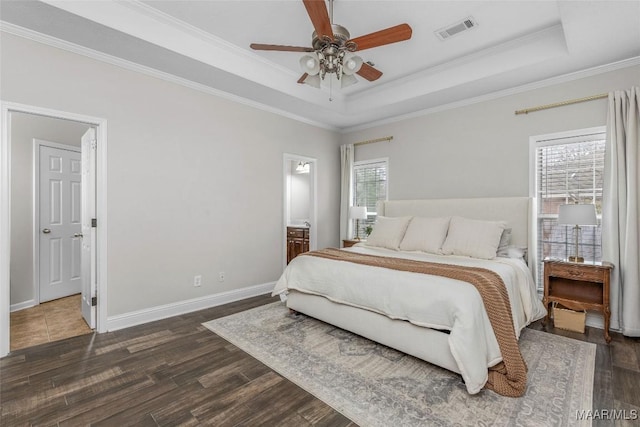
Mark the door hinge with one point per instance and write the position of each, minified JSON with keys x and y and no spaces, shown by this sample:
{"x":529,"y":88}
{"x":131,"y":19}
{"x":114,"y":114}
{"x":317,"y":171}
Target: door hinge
{"x":94,"y":301}
{"x":94,"y":222}
{"x":93,"y":144}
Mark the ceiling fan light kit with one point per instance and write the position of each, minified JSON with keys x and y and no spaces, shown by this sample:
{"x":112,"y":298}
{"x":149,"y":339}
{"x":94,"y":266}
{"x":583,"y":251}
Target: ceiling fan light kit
{"x":351,"y":64}
{"x":332,"y":48}
{"x":330,"y":59}
{"x":310,"y":64}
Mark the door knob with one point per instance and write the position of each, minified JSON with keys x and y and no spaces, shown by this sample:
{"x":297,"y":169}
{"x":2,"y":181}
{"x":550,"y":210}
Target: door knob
{"x":46,"y":231}
{"x":77,"y":235}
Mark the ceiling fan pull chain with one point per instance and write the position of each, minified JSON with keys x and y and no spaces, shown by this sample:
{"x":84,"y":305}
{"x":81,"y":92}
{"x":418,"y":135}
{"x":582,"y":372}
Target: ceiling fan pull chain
{"x":330,"y":89}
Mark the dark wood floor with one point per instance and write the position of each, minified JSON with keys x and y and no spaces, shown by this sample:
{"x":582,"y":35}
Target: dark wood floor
{"x":176,"y":372}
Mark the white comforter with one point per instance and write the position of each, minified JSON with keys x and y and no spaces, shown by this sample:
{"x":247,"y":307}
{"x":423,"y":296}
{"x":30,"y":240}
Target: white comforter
{"x":424,"y":300}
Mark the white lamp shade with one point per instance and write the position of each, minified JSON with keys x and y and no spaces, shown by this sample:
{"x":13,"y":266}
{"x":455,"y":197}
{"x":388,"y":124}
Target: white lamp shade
{"x":358,"y":212}
{"x":310,"y":65}
{"x":351,"y":64}
{"x":347,"y":80}
{"x":577,"y":215}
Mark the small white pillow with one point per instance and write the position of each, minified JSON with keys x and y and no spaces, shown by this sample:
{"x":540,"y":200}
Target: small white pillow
{"x":388,"y":232}
{"x":474,"y":238}
{"x":505,"y":240}
{"x":425,"y":234}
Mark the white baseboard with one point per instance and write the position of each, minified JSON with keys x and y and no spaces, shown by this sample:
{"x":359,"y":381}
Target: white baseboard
{"x":22,"y":305}
{"x":139,"y":317}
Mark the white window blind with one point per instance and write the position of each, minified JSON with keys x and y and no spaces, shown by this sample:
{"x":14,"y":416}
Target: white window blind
{"x":370,"y":181}
{"x":568,"y":170}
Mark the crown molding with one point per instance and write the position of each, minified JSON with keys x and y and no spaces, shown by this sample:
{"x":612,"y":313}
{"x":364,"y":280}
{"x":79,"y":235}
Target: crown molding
{"x":153,"y":26}
{"x":564,"y":78}
{"x":204,"y":36}
{"x":539,"y":46}
{"x":132,"y":66}
{"x":173,"y":22}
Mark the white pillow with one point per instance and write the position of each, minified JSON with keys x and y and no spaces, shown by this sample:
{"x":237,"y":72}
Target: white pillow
{"x":388,"y":232}
{"x":425,"y":234}
{"x":474,"y":238}
{"x":503,"y":246}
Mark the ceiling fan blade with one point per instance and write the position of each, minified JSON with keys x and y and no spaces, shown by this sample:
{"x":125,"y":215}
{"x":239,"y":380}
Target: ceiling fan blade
{"x":369,"y":73}
{"x":387,"y":36}
{"x":302,"y":77}
{"x":278,"y":47}
{"x":317,"y":10}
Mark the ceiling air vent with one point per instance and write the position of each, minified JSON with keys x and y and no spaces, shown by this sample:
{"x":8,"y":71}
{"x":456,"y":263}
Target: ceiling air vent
{"x":457,"y":28}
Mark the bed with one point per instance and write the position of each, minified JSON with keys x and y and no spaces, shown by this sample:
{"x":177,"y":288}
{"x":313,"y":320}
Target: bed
{"x":437,"y":319}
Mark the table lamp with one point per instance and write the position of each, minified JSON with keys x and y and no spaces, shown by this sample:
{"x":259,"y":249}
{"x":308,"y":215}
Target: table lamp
{"x":577,"y":215}
{"x":358,"y":213}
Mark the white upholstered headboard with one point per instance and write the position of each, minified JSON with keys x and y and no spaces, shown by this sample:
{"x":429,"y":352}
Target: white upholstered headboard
{"x":516,"y":211}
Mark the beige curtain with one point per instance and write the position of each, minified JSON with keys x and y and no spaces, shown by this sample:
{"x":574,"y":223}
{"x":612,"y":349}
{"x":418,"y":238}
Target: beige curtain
{"x":346,"y":193}
{"x":621,"y":198}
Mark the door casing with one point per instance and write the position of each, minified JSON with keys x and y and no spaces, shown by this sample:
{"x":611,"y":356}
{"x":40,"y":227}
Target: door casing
{"x":6,"y":108}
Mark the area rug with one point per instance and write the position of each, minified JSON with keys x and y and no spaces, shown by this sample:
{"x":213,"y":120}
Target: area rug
{"x":374,"y":385}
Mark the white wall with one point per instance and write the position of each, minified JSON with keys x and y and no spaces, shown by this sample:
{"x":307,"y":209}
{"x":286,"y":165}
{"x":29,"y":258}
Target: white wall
{"x":24,"y":128}
{"x":194,"y":181}
{"x":482,"y":150}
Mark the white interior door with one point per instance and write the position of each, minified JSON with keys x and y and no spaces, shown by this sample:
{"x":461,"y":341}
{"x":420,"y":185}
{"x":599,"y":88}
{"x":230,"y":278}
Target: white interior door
{"x":89,"y":273}
{"x":60,"y":228}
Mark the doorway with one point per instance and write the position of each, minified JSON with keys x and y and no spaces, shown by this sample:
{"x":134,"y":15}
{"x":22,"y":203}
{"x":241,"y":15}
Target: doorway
{"x":19,"y":269}
{"x":300,"y":197}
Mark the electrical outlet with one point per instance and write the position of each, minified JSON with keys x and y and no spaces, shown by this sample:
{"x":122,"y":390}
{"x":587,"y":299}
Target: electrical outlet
{"x":221,"y":276}
{"x":197,"y":281}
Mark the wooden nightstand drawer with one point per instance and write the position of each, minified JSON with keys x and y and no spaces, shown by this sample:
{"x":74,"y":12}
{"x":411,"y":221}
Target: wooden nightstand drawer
{"x":296,"y":232}
{"x":347,"y":243}
{"x":577,"y":272}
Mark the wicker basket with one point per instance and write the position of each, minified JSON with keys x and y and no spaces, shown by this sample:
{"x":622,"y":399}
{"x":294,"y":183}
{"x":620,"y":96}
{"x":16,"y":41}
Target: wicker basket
{"x":570,"y":320}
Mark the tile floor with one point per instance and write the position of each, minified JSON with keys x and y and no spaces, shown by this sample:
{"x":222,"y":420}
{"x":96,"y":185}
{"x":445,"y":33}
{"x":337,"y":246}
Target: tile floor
{"x":49,"y":321}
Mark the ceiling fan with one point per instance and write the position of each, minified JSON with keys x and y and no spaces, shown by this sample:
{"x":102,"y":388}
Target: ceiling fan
{"x":332,"y":48}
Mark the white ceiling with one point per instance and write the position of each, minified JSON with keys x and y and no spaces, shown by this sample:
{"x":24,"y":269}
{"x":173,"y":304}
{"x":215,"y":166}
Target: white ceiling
{"x":207,"y":43}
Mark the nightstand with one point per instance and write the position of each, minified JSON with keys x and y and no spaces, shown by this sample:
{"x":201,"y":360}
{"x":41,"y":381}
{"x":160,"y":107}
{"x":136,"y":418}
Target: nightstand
{"x":578,"y":286}
{"x":347,"y":243}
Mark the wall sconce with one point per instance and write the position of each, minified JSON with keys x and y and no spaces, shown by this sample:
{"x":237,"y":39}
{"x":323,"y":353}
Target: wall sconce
{"x":303,"y":167}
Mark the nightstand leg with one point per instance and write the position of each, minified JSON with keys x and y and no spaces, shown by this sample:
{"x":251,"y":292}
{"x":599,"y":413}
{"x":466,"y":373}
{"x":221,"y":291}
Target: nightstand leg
{"x":607,"y":317}
{"x":546,"y":318}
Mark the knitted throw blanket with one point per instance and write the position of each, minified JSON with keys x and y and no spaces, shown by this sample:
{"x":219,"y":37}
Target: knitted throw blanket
{"x":509,"y":377}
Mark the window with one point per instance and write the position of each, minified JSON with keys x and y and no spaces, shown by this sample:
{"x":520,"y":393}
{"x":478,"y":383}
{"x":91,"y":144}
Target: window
{"x":569,"y":168}
{"x":370,"y":184}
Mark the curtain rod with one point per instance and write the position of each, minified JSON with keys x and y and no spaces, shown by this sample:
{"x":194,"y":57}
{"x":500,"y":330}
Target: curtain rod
{"x":369,"y":141}
{"x":562,"y":103}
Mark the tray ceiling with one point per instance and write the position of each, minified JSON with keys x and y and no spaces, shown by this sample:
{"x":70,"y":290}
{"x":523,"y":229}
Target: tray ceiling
{"x":207,"y":43}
